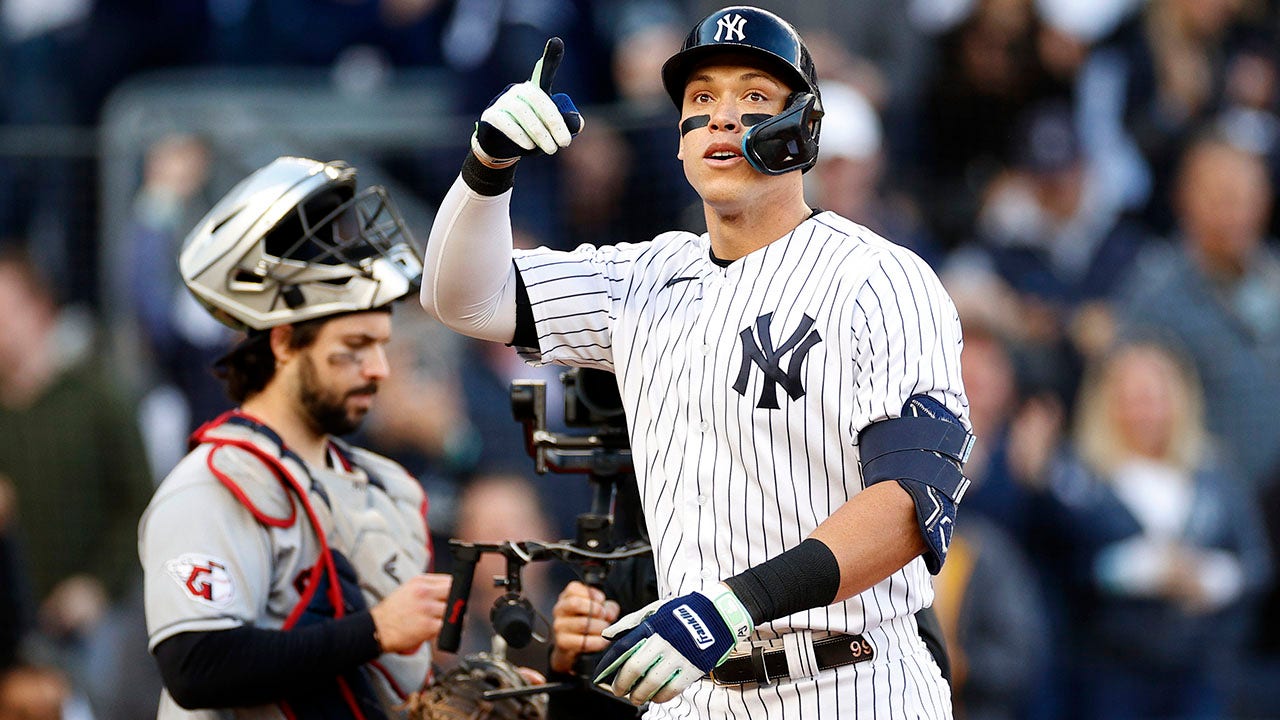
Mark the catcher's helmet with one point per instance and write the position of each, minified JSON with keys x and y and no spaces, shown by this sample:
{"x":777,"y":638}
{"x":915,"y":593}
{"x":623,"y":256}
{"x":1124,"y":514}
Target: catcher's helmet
{"x":296,"y":241}
{"x":789,"y":140}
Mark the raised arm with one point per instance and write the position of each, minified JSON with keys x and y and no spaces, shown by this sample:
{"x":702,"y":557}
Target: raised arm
{"x":469,"y":282}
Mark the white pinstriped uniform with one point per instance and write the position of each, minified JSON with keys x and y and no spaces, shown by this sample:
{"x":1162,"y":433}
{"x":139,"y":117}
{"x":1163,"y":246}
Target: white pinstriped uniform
{"x":727,"y":481}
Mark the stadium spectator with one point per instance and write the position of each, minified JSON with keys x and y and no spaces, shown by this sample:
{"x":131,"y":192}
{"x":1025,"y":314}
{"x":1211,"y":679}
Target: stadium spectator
{"x":1147,"y":88}
{"x":1216,"y":293}
{"x":182,"y":340}
{"x":1160,"y":544}
{"x":850,"y":175}
{"x":73,"y":454}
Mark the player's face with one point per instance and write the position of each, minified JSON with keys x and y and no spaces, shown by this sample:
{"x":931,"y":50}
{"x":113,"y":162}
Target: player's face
{"x":339,"y":373}
{"x":712,"y":153}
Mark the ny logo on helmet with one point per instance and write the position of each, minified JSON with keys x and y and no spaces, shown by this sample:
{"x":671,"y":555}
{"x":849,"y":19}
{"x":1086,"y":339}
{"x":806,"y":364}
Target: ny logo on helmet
{"x":769,"y":360}
{"x":731,"y":25}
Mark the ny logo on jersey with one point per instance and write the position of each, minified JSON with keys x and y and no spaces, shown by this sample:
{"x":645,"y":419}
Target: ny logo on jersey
{"x":733,"y":27}
{"x":757,"y":348}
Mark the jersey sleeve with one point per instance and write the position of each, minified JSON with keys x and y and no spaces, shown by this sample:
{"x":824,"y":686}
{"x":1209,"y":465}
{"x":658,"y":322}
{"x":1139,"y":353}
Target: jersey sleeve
{"x":206,"y":562}
{"x":908,"y":342}
{"x":575,"y":298}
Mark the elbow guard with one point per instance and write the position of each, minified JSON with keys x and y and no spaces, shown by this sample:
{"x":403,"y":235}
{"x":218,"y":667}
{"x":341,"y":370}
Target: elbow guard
{"x":924,"y":451}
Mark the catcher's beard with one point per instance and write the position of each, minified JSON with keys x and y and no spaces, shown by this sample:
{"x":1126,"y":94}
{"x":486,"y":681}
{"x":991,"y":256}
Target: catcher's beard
{"x":326,"y":408}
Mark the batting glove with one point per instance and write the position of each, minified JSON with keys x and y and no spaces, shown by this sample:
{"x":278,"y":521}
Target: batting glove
{"x":524,"y":120}
{"x":660,"y":650}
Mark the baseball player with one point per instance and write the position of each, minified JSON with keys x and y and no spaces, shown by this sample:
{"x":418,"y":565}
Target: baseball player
{"x":285,"y":569}
{"x":791,"y":382}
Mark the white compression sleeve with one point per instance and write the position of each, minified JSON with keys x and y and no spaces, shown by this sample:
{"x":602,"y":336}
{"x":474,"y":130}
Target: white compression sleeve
{"x":468,"y":280}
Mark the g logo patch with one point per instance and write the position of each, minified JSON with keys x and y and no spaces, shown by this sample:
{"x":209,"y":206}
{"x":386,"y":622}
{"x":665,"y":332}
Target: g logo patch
{"x":204,"y":579}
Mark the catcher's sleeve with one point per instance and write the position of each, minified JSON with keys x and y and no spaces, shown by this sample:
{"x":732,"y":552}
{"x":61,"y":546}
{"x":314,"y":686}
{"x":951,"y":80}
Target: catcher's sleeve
{"x":248,"y":666}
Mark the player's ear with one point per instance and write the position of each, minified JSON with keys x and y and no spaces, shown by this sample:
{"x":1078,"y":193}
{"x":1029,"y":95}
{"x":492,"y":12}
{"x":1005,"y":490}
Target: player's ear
{"x":281,"y":346}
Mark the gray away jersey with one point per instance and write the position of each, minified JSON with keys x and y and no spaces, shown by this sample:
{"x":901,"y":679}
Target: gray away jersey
{"x":745,"y":389}
{"x":209,"y":564}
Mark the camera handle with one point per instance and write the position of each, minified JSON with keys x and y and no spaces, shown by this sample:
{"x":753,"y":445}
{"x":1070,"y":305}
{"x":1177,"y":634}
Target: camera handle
{"x":465,"y":557}
{"x":509,"y":612}
{"x":512,"y":614}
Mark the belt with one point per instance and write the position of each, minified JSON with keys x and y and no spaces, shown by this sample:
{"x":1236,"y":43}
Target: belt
{"x":764,"y":666}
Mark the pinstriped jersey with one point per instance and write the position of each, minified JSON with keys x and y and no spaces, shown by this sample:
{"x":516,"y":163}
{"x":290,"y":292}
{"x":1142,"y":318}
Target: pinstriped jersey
{"x":746,"y":385}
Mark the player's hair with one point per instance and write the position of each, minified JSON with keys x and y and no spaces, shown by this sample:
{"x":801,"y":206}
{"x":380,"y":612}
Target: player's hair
{"x":1102,"y":446}
{"x":247,"y":369}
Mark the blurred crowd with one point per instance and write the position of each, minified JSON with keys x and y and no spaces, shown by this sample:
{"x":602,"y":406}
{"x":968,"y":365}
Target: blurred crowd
{"x":1093,"y":180}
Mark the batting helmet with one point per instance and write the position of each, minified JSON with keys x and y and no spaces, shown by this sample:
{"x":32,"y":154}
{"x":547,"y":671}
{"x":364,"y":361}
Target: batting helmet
{"x":789,"y":140}
{"x":296,"y":241}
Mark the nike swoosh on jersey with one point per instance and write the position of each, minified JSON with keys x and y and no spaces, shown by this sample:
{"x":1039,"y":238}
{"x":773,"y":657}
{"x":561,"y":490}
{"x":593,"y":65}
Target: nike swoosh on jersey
{"x":675,"y":280}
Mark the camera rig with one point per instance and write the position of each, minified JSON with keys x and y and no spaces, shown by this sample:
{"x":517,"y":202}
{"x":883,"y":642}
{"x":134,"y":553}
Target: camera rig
{"x":603,"y":453}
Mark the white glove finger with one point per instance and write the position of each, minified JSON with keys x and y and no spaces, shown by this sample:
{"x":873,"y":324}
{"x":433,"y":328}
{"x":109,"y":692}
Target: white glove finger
{"x":504,"y":123}
{"x":630,"y":620}
{"x":639,"y":664}
{"x":535,"y":126}
{"x":678,"y":684}
{"x":547,"y":110}
{"x":658,"y":681}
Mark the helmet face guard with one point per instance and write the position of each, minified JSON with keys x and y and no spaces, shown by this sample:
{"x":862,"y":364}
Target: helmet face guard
{"x":786,"y":141}
{"x":323,"y":240}
{"x":295,"y":241}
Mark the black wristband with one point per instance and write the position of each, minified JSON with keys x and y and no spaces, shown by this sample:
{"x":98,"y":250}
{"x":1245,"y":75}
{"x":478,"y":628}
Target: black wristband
{"x":804,"y":577}
{"x":486,"y":180}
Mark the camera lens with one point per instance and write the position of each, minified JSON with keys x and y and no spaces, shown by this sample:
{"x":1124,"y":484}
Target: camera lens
{"x":512,"y":618}
{"x":598,"y":390}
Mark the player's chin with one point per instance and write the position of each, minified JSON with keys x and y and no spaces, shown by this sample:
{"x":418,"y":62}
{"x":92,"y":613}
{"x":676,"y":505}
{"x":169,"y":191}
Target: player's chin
{"x":356,"y":411}
{"x":356,"y":415}
{"x":359,"y":401}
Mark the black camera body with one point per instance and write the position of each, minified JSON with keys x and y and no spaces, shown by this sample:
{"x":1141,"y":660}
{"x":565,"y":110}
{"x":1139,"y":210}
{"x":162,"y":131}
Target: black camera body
{"x":603,"y":453}
{"x":592,"y":400}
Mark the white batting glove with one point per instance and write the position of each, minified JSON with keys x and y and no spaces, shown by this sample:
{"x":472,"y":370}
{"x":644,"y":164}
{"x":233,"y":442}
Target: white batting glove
{"x":525,"y":119}
{"x":662,"y":649}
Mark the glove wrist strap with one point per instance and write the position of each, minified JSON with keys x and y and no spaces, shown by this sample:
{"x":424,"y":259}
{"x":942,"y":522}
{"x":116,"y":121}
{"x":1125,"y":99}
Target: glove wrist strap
{"x":488,"y":160}
{"x":486,"y":180}
{"x":733,"y":613}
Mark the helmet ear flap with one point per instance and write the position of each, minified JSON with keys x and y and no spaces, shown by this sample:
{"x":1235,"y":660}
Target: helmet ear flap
{"x":786,"y":141}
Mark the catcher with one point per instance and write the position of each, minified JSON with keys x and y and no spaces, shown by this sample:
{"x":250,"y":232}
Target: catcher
{"x":284,"y":568}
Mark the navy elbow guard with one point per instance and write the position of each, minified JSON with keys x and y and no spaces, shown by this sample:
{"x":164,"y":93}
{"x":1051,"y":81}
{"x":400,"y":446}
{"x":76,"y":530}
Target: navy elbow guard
{"x":924,"y":451}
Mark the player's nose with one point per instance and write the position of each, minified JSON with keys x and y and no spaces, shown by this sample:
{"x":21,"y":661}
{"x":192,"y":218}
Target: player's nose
{"x":725,"y":116}
{"x":376,"y":365}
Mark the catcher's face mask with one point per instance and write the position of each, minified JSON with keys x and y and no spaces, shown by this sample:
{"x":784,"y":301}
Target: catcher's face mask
{"x":296,"y":241}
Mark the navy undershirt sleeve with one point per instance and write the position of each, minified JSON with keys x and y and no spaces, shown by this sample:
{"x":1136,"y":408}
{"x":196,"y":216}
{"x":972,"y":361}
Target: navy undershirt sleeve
{"x":247,"y":666}
{"x":526,"y":334}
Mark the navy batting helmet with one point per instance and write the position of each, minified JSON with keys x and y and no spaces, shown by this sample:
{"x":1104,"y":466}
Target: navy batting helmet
{"x":752,"y":31}
{"x":787,"y":141}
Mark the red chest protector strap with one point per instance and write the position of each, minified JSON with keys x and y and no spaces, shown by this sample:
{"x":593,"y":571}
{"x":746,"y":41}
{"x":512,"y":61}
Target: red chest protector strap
{"x":324,"y":565}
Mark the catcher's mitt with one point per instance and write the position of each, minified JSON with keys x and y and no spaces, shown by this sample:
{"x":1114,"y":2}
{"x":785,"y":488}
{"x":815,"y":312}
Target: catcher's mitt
{"x":459,"y":694}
